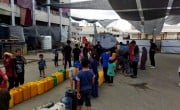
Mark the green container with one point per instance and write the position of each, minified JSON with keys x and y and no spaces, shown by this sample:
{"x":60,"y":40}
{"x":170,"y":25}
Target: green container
{"x":64,"y":73}
{"x":54,"y":80}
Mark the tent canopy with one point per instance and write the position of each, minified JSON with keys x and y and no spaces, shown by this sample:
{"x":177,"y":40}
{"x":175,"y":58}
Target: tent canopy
{"x":148,"y":16}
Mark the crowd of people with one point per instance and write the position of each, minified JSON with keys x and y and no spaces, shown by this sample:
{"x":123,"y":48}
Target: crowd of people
{"x":123,"y":58}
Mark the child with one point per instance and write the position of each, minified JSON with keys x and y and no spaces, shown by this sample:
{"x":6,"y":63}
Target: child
{"x":143,"y":58}
{"x":104,"y":60}
{"x":9,"y":67}
{"x":94,"y":66}
{"x":19,"y":62}
{"x":111,"y":72}
{"x":85,"y":79}
{"x":42,"y":65}
{"x":3,"y":80}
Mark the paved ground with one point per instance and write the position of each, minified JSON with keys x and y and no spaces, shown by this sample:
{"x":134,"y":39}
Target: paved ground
{"x":154,"y":89}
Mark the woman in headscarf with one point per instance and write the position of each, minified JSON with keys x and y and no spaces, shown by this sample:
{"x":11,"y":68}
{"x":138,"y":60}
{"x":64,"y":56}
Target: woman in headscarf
{"x":143,"y":58}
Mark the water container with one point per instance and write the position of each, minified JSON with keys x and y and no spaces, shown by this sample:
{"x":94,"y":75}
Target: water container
{"x":58,"y":106}
{"x":50,"y":83}
{"x":11,"y":102}
{"x":17,"y":95}
{"x":26,"y":92}
{"x":73,"y":95}
{"x":101,"y":77}
{"x":45,"y":81}
{"x":48,"y":105}
{"x":67,"y":101}
{"x":34,"y":88}
{"x":61,"y":77}
{"x":58,"y":76}
{"x":40,"y":86}
{"x":54,"y":80}
{"x":63,"y":72}
{"x":46,"y":42}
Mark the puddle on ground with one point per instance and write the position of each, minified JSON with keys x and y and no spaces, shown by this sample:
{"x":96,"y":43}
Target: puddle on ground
{"x":141,"y":86}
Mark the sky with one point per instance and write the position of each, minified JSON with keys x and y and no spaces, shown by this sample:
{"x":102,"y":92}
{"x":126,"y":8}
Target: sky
{"x":101,"y":14}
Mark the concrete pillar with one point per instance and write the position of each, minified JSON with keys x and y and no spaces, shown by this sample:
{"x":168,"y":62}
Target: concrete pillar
{"x":60,"y":22}
{"x":12,"y":13}
{"x":33,"y":12}
{"x":49,"y":13}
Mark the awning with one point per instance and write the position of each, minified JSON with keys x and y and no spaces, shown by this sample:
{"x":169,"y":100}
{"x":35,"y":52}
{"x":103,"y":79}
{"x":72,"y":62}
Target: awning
{"x":148,"y":16}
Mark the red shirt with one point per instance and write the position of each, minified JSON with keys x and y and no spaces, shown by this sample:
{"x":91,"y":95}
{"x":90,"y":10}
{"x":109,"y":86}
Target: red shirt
{"x":131,"y":52}
{"x":3,"y":84}
{"x":9,"y":67}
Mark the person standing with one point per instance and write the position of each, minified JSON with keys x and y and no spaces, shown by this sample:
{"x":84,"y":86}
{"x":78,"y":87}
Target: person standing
{"x":85,"y":51}
{"x":98,"y":49}
{"x":42,"y":65}
{"x":4,"y":99}
{"x":85,"y":79}
{"x":143,"y":58}
{"x":67,"y":54}
{"x":152,"y":51}
{"x":135,"y":59}
{"x":19,"y":62}
{"x":94,"y":66}
{"x":76,"y":52}
{"x":104,"y":61}
{"x":3,"y":80}
{"x":56,"y":57}
{"x":9,"y":68}
{"x":111,"y":72}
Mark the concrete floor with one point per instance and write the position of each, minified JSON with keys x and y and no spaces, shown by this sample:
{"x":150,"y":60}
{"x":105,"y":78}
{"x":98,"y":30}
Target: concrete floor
{"x":154,"y":89}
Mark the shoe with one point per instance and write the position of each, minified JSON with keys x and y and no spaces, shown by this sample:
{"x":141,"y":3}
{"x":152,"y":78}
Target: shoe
{"x":152,"y":67}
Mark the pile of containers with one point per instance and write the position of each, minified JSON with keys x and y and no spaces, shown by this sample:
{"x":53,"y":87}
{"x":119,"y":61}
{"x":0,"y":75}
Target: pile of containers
{"x":32,"y":89}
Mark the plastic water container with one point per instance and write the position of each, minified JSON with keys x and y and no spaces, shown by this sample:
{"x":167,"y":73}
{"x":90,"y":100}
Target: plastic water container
{"x":11,"y":102}
{"x":67,"y":101}
{"x":40,"y":86}
{"x":26,"y":92}
{"x":58,"y":106}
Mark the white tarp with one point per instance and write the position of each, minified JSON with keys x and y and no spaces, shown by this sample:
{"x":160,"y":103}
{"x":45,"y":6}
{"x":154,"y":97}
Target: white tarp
{"x":107,"y":41}
{"x":170,"y":43}
{"x":170,"y":46}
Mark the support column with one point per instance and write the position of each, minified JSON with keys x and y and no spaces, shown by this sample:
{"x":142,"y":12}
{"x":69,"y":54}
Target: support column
{"x":33,"y":12}
{"x":49,"y":13}
{"x":12,"y":13}
{"x":60,"y":22}
{"x":69,"y":36}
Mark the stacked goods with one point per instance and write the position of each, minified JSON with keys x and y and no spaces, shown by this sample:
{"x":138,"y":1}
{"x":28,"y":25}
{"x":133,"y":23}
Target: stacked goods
{"x":46,"y":83}
{"x":31,"y":89}
{"x":50,"y":83}
{"x":17,"y":94}
{"x":54,"y":80}
{"x":58,"y":76}
{"x":26,"y":92}
{"x":11,"y":102}
{"x":40,"y":86}
{"x":101,"y":77}
{"x":63,"y":72}
{"x":34,"y":88}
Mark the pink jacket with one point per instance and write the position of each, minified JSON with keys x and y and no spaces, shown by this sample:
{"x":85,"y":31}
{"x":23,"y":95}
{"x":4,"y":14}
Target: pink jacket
{"x":4,"y":77}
